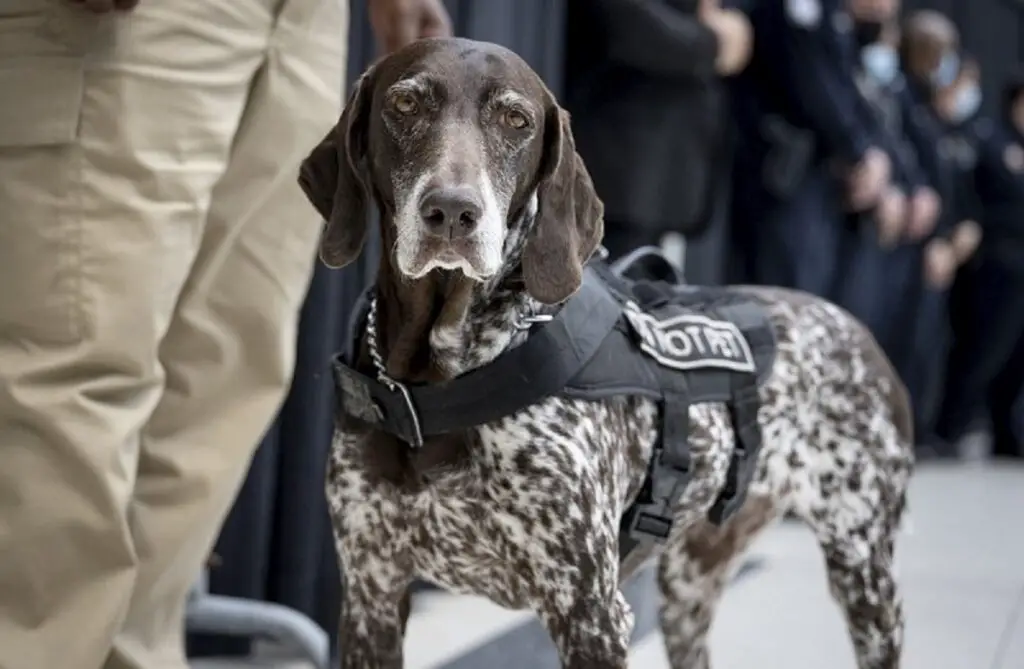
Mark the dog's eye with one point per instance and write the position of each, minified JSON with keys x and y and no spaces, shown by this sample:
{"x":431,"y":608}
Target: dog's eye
{"x":516,"y":119}
{"x":405,"y":104}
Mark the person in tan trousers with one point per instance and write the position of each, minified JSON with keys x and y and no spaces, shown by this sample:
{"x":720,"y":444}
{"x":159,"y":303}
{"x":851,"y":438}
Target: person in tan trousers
{"x":155,"y":250}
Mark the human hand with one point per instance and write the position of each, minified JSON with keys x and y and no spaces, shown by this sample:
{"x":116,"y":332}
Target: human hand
{"x":924,"y":210}
{"x":397,"y":23}
{"x":939,"y":264}
{"x":868,"y":179}
{"x":706,"y":8}
{"x":891,"y":217}
{"x":966,"y":238}
{"x":105,"y":6}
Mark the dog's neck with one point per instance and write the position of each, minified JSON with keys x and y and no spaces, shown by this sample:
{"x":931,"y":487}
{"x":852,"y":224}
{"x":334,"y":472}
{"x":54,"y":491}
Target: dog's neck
{"x":445,"y":324}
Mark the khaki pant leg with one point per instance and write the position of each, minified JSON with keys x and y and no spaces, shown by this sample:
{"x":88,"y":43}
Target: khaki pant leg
{"x":113,"y":134}
{"x":230,"y":352}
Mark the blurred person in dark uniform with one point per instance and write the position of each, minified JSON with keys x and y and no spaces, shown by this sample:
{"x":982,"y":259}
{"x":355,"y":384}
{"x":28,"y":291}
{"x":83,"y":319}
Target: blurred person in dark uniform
{"x":929,"y":52}
{"x":648,"y":109}
{"x":897,"y":282}
{"x":931,"y":60}
{"x":876,"y":260}
{"x":807,"y":148}
{"x":986,"y":364}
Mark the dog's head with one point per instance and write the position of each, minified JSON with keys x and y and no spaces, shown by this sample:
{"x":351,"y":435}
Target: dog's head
{"x":472,"y":164}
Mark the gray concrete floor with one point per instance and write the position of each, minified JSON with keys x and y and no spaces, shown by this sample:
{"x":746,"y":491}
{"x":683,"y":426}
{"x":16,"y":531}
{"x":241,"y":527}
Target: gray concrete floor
{"x":961,"y":565}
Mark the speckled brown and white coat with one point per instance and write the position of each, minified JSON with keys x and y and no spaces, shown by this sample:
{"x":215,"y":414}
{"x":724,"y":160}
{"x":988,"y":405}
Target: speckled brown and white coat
{"x":487,"y":214}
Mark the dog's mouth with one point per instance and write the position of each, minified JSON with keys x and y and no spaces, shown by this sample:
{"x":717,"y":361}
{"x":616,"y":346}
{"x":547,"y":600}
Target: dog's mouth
{"x":461,"y":255}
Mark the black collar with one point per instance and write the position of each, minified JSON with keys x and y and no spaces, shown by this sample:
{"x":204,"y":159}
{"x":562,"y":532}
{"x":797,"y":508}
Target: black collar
{"x":539,"y":368}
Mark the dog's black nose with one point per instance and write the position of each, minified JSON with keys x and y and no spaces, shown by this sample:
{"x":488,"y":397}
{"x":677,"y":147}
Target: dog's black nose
{"x":451,"y":212}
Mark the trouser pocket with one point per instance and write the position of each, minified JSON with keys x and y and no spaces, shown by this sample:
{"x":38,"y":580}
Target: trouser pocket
{"x":43,"y":46}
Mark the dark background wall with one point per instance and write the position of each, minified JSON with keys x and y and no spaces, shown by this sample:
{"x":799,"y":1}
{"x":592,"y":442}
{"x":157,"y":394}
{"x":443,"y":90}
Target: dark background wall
{"x":276,"y":544}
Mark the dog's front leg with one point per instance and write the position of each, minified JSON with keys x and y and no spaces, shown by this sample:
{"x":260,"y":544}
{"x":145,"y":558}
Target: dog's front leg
{"x":594,"y":633}
{"x":373,"y":615}
{"x":584,"y":612}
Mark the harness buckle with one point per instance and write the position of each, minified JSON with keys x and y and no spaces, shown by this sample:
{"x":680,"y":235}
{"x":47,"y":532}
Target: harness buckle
{"x":651,"y":516}
{"x":646,"y":525}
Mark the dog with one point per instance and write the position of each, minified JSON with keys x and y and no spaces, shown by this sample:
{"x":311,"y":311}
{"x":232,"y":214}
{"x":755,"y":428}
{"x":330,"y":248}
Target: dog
{"x":487,"y":219}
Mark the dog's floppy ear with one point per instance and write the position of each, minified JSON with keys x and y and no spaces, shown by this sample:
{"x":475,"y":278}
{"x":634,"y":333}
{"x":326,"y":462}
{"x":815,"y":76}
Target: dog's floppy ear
{"x":569,"y":223}
{"x":335,"y":178}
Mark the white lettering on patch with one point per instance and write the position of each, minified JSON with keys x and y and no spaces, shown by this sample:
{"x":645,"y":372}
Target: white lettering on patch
{"x":689,"y":341}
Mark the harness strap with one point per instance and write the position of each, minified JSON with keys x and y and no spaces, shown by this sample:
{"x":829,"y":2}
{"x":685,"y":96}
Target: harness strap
{"x":541,"y":367}
{"x":743,"y":407}
{"x":650,"y":517}
{"x":651,"y":261}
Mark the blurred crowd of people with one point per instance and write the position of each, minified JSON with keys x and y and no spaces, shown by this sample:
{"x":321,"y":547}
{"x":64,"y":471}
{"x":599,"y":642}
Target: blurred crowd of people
{"x":847,"y":143}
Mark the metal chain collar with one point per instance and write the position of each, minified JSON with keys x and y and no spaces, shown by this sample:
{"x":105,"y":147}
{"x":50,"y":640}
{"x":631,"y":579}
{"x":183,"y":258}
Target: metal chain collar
{"x":373,"y":346}
{"x":523,"y":322}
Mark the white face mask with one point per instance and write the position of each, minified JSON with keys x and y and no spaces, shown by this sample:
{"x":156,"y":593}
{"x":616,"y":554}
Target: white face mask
{"x":881,"y":62}
{"x":945,"y":74}
{"x":966,"y":103}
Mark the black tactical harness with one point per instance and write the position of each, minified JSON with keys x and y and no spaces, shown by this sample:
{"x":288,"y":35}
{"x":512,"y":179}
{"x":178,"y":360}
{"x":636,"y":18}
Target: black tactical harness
{"x":676,"y":344}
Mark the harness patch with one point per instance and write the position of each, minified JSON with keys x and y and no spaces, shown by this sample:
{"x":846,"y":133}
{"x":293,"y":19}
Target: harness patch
{"x":691,"y":341}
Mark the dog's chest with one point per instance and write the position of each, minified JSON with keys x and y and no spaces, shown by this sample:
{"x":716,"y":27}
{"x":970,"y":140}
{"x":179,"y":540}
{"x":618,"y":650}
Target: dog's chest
{"x":516,"y":514}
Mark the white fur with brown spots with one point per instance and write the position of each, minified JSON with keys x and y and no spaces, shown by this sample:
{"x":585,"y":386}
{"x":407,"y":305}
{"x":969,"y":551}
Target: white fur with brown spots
{"x":525,"y":510}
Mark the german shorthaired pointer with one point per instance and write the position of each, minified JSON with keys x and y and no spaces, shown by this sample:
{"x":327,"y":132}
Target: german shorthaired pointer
{"x":488,"y":217}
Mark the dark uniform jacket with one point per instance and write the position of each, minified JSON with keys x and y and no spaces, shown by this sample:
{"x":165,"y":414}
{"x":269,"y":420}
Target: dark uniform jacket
{"x":987,"y":163}
{"x":926,"y":133}
{"x":799,"y":89}
{"x":999,"y":183}
{"x":914,"y":138}
{"x":647,"y":108}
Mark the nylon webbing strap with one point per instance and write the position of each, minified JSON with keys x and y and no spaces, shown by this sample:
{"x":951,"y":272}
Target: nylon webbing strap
{"x":650,"y":518}
{"x":539,"y":368}
{"x":744,"y":408}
